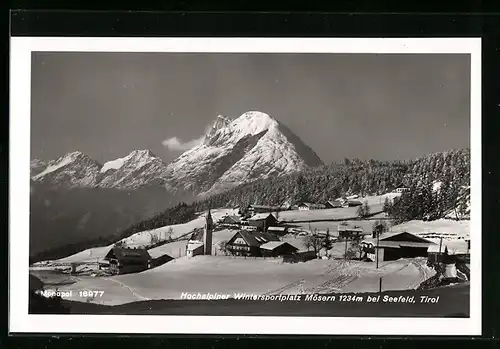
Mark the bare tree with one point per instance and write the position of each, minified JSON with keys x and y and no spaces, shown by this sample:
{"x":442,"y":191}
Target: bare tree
{"x":314,"y":241}
{"x":223,"y":247}
{"x":153,"y":238}
{"x":168,"y":234}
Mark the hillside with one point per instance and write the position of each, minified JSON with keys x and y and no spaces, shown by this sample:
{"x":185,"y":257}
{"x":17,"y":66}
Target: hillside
{"x":65,"y":221}
{"x":369,"y":177}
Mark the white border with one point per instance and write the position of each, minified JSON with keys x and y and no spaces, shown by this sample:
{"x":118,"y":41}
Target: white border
{"x":19,"y":319}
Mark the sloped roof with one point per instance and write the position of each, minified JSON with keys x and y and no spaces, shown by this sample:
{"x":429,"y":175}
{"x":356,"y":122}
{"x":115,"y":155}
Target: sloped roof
{"x":260,"y":216}
{"x":265,"y":207}
{"x":236,"y":219}
{"x":385,"y":240}
{"x":256,"y":239}
{"x":271,"y":245}
{"x":192,"y":247}
{"x":277,"y":228}
{"x":334,"y":202}
{"x":454,"y":247}
{"x":121,"y":253}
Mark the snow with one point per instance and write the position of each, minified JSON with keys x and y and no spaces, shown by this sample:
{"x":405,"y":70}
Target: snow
{"x":229,"y":275}
{"x":113,"y":164}
{"x":436,"y":186}
{"x":61,"y":162}
{"x":272,"y":154}
{"x":143,"y":238}
{"x":440,"y":227}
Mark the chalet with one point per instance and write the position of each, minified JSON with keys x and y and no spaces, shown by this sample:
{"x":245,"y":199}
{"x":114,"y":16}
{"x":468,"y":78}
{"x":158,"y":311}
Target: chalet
{"x":393,"y":246}
{"x":230,"y":221}
{"x":349,"y":232}
{"x":245,"y":243}
{"x":334,"y":203}
{"x":277,"y":248}
{"x":262,"y":221}
{"x":278,"y":230}
{"x":306,"y":206}
{"x":128,"y":260}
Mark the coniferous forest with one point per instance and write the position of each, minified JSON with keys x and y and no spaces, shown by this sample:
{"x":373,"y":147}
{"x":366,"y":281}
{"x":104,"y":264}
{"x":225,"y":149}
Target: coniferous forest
{"x":426,"y":199}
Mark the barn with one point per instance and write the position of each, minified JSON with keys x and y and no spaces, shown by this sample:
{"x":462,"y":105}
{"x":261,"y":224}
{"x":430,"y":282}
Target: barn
{"x":393,"y":246}
{"x":246,"y":243}
{"x":277,"y":248}
{"x":124,"y":260}
{"x":262,"y":221}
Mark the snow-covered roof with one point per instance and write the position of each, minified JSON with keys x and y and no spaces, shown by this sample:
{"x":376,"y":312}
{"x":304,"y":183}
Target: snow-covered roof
{"x":192,"y":247}
{"x":260,"y":216}
{"x":454,"y":246}
{"x":271,"y":245}
{"x":276,"y":228}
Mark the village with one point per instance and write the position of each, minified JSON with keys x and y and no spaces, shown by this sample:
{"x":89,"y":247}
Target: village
{"x":301,"y":248}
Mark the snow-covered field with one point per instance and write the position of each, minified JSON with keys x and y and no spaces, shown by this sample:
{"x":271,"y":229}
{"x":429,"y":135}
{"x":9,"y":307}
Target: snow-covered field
{"x":442,"y":227}
{"x":143,"y":238}
{"x":227,"y":275}
{"x":376,"y":204}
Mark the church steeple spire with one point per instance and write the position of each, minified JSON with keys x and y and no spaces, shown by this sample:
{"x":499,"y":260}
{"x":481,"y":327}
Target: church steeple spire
{"x":207,"y":236}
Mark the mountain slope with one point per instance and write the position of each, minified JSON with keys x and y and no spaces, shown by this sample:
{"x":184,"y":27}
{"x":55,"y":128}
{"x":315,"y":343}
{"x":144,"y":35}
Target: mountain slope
{"x":139,"y":168}
{"x":37,"y":166}
{"x":235,"y":151}
{"x":71,"y":171}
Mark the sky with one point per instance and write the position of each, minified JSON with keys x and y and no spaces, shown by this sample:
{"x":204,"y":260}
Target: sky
{"x":379,"y":106}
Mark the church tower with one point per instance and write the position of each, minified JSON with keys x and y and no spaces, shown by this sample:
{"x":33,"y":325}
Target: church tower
{"x":207,"y":234}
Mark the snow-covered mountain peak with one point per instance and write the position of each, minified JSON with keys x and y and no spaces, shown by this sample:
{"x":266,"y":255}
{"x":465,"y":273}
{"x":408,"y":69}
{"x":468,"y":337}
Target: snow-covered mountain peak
{"x":137,"y":158}
{"x":72,"y":169}
{"x":236,"y":151}
{"x":253,"y":122}
{"x":139,"y":168}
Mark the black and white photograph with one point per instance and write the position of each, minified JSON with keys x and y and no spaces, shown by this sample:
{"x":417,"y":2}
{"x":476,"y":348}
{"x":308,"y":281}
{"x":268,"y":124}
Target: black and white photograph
{"x":320,"y":183}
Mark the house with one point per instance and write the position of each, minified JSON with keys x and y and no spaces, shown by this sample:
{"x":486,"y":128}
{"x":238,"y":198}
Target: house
{"x":128,"y":260}
{"x":349,"y":232}
{"x":230,"y":221}
{"x":277,"y":248}
{"x":254,"y":209}
{"x":334,"y":203}
{"x":278,"y":230}
{"x":194,"y":249}
{"x":454,"y":249}
{"x":261,"y":221}
{"x":393,"y":246}
{"x":305,"y":206}
{"x":159,"y":257}
{"x":246,"y":243}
